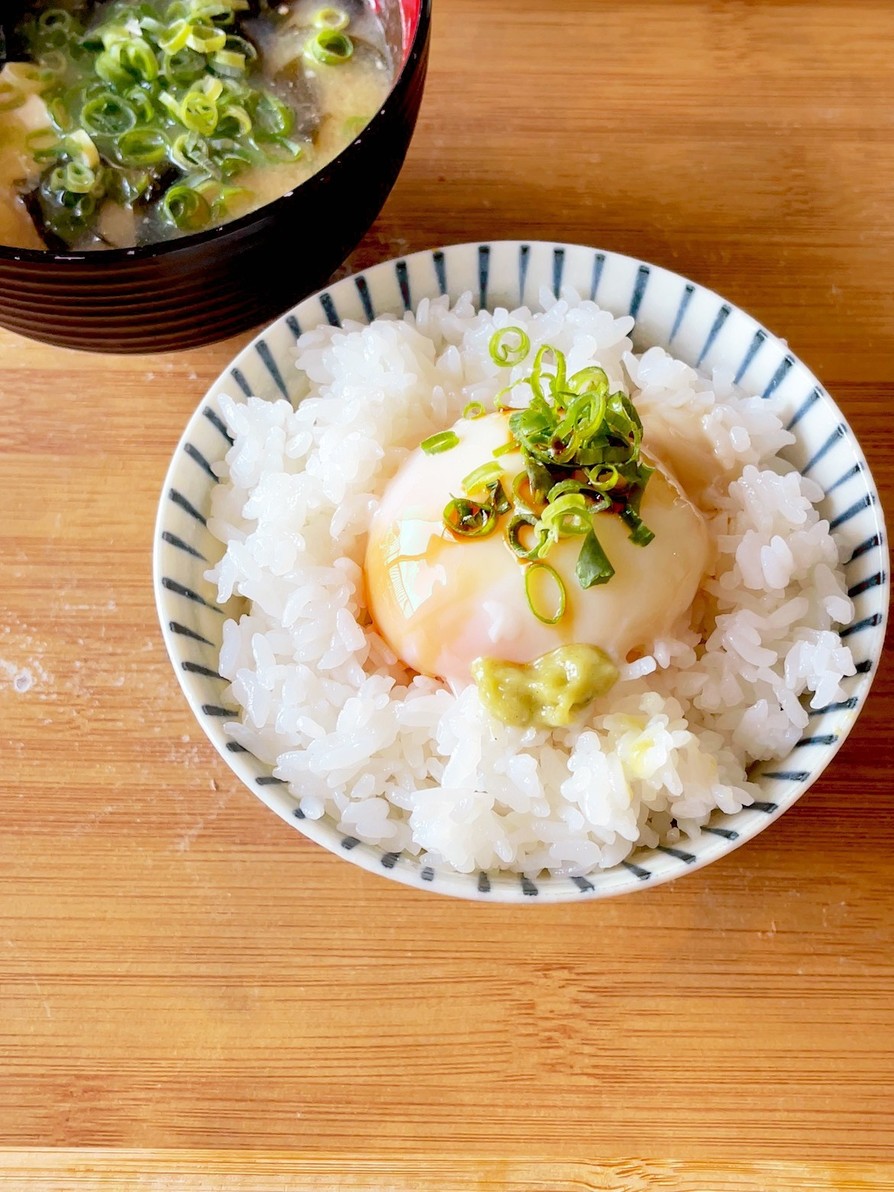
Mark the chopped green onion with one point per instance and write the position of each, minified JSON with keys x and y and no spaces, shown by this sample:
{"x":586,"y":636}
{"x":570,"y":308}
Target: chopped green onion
{"x":565,"y":516}
{"x":141,"y":102}
{"x":175,"y":37}
{"x":284,"y":149}
{"x":229,"y":62}
{"x":60,"y":117}
{"x":189,"y":151}
{"x":186,"y":208}
{"x":593,"y":566}
{"x":55,"y":26}
{"x":107,"y":114}
{"x":518,"y":523}
{"x":603,"y":478}
{"x":474,"y":409}
{"x":76,"y":177}
{"x":444,"y":440}
{"x":468,"y":519}
{"x":138,"y":59}
{"x":240,"y":45}
{"x":52,"y":65}
{"x":232,"y":161}
{"x":234,"y":121}
{"x":509,"y":346}
{"x":565,"y":486}
{"x":330,"y":47}
{"x":198,"y":113}
{"x":183,"y":68}
{"x":589,"y":380}
{"x":532,"y":572}
{"x":331,"y":18}
{"x":505,"y":449}
{"x":498,"y":498}
{"x":528,"y":488}
{"x":539,"y":479}
{"x":622,"y":418}
{"x":481,"y":477}
{"x":56,"y":18}
{"x":273,"y":118}
{"x":141,"y":147}
{"x":557,"y":379}
{"x":206,"y":39}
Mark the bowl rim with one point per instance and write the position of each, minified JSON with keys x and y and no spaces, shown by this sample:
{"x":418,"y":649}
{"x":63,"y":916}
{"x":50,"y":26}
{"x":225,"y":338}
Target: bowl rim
{"x":506,"y":887}
{"x":413,"y":51}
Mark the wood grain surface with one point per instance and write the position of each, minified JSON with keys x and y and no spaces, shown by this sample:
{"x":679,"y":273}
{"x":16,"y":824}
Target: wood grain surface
{"x":179,"y":969}
{"x":254,"y":1171}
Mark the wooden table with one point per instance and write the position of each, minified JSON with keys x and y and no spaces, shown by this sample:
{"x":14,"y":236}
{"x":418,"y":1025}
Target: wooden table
{"x":201,"y":998}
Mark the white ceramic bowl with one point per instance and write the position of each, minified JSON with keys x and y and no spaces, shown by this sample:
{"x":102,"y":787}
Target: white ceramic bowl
{"x":691,"y":322}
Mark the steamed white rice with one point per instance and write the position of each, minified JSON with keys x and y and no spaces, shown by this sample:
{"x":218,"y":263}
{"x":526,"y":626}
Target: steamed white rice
{"x":396,"y":759}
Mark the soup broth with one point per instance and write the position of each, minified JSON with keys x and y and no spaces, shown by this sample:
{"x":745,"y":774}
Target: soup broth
{"x":125,"y":124}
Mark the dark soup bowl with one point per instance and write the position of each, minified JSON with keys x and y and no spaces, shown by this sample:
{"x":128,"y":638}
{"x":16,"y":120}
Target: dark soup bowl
{"x":206,"y":285}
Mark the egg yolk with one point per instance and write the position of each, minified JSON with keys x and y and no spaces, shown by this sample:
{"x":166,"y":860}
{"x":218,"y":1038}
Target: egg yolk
{"x":441,"y":601}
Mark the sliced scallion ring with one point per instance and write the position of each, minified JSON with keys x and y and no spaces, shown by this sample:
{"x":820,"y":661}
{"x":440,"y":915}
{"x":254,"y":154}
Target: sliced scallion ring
{"x":78,"y":178}
{"x":540,"y":577}
{"x":141,"y":147}
{"x":52,"y":65}
{"x":603,"y":478}
{"x":566,"y":516}
{"x":444,"y":440}
{"x":183,"y":68}
{"x":469,"y":519}
{"x":107,"y":114}
{"x":57,"y":19}
{"x":175,"y":37}
{"x":138,"y":59}
{"x":481,"y":477}
{"x":509,"y":346}
{"x":329,"y":47}
{"x":228,"y":62}
{"x":330,"y":18}
{"x":198,"y":112}
{"x":186,"y":208}
{"x":206,"y":38}
{"x":518,"y":524}
{"x":234,"y":121}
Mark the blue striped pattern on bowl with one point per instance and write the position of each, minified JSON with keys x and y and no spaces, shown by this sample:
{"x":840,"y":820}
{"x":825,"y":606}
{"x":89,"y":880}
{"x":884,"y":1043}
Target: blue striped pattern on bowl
{"x":693,"y":323}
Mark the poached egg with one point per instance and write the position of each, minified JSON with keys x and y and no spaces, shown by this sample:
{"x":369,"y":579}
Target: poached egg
{"x":441,"y":601}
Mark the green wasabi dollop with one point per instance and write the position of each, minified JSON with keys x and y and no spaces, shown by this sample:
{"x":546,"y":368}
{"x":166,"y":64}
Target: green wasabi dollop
{"x":549,"y":692}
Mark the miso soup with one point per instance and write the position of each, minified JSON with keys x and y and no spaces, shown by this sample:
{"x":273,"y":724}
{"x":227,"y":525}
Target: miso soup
{"x":125,"y":124}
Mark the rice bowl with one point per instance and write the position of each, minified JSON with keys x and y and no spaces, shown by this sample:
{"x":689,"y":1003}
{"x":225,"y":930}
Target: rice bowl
{"x":416,"y":778}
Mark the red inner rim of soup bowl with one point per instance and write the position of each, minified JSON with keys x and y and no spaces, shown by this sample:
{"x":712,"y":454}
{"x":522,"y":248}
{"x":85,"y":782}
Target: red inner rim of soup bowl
{"x":410,"y":12}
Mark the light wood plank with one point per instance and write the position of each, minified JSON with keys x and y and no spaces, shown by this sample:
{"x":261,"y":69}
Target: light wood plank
{"x":252,"y":1171}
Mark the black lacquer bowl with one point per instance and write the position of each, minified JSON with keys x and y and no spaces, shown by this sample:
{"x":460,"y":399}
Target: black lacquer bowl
{"x":216,"y":283}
